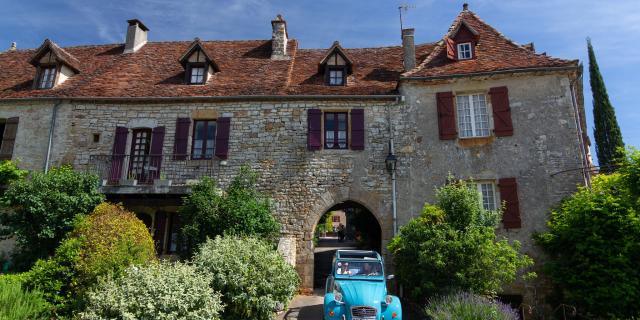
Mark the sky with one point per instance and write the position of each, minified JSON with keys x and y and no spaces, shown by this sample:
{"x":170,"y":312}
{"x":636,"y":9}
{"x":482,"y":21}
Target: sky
{"x":559,"y":28}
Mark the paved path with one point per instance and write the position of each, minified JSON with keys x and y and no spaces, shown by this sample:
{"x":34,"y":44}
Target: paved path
{"x":305,"y":307}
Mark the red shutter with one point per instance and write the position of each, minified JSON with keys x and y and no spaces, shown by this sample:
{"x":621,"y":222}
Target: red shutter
{"x":9,"y":138}
{"x":451,"y":49}
{"x":158,"y":234}
{"x":314,"y":127}
{"x":357,"y":129}
{"x":222,"y":137}
{"x":118,"y":154}
{"x":180,"y":145}
{"x":509,"y":194}
{"x":446,"y":116}
{"x":501,"y":112}
{"x":155,"y":159}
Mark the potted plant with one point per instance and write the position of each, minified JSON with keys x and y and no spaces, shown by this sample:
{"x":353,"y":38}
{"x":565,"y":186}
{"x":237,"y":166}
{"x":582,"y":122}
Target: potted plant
{"x":130,"y":180}
{"x":162,"y":182}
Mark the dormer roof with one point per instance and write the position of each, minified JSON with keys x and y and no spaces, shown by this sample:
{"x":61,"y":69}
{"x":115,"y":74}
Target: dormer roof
{"x":62,"y":55}
{"x":195,"y":46}
{"x":337,"y":49}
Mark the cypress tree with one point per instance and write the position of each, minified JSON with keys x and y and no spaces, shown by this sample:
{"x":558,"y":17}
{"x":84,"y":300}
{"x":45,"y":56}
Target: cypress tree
{"x":606,"y":130}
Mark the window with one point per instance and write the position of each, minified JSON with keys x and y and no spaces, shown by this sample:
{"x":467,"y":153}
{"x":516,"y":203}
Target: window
{"x":47,"y":77}
{"x":140,"y":147}
{"x":204,"y":139}
{"x":336,"y":76}
{"x":487,"y":192}
{"x":464,"y":51}
{"x":336,"y":218}
{"x":335,"y":130}
{"x":197,"y":74}
{"x":473,"y":116}
{"x":172,"y":236}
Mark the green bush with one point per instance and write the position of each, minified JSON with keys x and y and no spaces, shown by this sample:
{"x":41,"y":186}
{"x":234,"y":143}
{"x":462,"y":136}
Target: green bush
{"x":9,"y":172}
{"x":466,"y":306}
{"x":453,"y":246}
{"x":594,"y":245}
{"x":104,"y":243}
{"x":16,"y":303}
{"x":253,"y":278}
{"x":159,"y":291}
{"x":208,"y":212}
{"x":43,"y":209}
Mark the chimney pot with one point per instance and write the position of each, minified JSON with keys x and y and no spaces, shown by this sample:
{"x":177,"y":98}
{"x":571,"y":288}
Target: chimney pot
{"x":279,"y":39}
{"x":13,"y":47}
{"x":465,"y":7}
{"x":409,"y":49}
{"x":136,"y":36}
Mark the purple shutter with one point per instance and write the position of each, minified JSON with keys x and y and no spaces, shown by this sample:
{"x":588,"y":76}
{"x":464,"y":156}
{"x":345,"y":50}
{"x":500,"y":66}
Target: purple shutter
{"x":357,"y":129}
{"x":222,"y":137}
{"x":446,"y":116}
{"x":509,"y":194}
{"x":314,"y":127}
{"x":503,"y":127}
{"x":155,"y":153}
{"x":9,"y":138}
{"x":118,"y":154}
{"x":181,"y":144}
{"x":158,"y":234}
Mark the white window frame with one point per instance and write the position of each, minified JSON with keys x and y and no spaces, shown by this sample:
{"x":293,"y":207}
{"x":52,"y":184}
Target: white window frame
{"x":48,"y":78}
{"x":464,"y":51}
{"x":197,"y":73}
{"x":475,"y":116}
{"x":491,"y":187}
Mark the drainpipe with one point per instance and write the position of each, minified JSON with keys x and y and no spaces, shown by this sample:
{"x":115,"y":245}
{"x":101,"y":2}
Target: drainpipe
{"x":393,"y":191}
{"x":583,"y":152}
{"x":52,"y":126}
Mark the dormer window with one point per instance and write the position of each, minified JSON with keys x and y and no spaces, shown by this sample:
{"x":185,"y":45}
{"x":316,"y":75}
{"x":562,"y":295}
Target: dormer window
{"x":197,"y":64}
{"x":464,"y":51}
{"x":335,"y":65}
{"x":47,"y":77}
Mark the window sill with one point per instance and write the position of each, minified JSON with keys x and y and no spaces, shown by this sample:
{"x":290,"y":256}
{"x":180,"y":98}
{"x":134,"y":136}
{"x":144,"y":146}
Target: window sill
{"x":475,"y":141}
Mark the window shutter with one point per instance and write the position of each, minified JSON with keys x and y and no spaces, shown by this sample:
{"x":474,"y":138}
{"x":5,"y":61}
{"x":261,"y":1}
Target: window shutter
{"x":446,"y":116}
{"x":357,"y":129}
{"x":118,"y":154}
{"x":180,"y":144}
{"x":155,"y":159}
{"x":451,"y":49}
{"x":509,"y":194}
{"x":9,"y":138}
{"x":158,"y":234}
{"x":314,"y":127}
{"x":222,"y":137}
{"x":501,"y":112}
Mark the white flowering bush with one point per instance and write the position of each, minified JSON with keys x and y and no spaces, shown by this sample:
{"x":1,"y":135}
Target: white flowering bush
{"x":253,"y":278}
{"x":160,"y":291}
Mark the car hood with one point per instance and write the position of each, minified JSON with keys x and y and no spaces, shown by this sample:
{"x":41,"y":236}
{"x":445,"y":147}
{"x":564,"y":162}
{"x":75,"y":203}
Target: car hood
{"x":363,"y":292}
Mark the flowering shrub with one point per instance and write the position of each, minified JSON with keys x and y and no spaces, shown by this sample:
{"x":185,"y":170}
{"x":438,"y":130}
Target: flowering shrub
{"x":18,"y":303}
{"x":159,"y":291}
{"x":466,"y":306}
{"x":253,"y":278}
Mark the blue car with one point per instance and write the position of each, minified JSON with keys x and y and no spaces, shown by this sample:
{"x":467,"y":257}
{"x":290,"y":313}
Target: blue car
{"x":357,"y":288}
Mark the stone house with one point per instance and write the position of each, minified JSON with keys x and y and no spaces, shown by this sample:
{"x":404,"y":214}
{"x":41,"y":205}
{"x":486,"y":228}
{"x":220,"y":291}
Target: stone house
{"x":151,"y":118}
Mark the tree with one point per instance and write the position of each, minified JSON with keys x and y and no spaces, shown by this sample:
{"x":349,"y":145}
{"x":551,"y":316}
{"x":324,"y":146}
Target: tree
{"x":594,"y":245}
{"x":9,"y":172}
{"x":208,"y":212}
{"x":606,"y":131}
{"x":41,"y":211}
{"x":452,"y":246}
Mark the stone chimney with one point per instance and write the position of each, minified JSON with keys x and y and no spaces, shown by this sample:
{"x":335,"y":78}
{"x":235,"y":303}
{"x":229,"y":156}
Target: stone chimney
{"x":409,"y":49}
{"x":279,"y":39}
{"x":13,"y":47}
{"x":136,"y":36}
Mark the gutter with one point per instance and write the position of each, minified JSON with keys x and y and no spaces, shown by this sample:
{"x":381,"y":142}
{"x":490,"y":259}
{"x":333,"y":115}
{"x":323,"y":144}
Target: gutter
{"x":51,"y":129}
{"x":490,"y":73}
{"x":215,"y":98}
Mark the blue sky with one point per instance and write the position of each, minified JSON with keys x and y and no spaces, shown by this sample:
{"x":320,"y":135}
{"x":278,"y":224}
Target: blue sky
{"x":557,"y":27}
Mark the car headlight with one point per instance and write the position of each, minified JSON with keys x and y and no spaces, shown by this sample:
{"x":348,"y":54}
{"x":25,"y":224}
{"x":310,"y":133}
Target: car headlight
{"x":337,"y":296}
{"x":388,"y":299}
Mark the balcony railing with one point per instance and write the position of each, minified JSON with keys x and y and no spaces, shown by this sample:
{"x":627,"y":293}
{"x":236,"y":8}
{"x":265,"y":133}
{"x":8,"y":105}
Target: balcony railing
{"x":125,"y":169}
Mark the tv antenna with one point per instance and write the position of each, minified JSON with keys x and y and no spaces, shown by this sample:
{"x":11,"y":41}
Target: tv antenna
{"x":404,"y":7}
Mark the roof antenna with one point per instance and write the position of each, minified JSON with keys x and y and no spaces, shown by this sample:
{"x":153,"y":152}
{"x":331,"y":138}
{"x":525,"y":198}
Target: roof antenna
{"x":403,"y":7}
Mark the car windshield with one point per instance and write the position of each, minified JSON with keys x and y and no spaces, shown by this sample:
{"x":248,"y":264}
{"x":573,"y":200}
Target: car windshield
{"x":359,"y":268}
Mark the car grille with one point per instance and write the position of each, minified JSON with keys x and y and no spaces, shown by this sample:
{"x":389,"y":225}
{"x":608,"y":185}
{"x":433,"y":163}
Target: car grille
{"x":364,"y":312}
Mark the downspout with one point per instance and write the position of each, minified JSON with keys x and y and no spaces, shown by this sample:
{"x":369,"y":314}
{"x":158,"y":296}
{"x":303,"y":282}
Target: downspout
{"x":394,"y":200}
{"x":51,"y":129}
{"x":583,"y":152}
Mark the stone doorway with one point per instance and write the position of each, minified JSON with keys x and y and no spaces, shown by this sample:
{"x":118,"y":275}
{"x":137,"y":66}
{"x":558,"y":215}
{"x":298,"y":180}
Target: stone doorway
{"x":360,"y":230}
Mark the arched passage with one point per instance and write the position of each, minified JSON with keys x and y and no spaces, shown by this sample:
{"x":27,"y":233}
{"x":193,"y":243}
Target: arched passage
{"x":346,"y":225}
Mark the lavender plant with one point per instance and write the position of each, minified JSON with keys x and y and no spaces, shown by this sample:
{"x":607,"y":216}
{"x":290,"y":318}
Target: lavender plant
{"x":467,"y":306}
